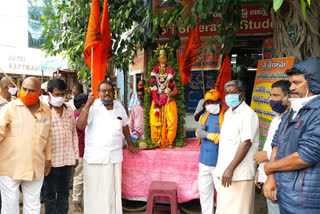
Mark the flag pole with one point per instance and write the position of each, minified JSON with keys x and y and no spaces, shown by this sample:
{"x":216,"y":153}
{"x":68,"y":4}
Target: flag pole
{"x":91,"y":68}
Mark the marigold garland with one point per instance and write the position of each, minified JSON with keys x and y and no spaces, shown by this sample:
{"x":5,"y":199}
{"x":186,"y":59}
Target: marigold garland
{"x":154,"y":88}
{"x":179,"y":98}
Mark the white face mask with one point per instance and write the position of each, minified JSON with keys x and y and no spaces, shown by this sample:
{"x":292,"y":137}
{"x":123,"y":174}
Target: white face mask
{"x":44,"y":98}
{"x":56,"y":101}
{"x":12,"y":91}
{"x":213,"y":108}
{"x":298,"y":103}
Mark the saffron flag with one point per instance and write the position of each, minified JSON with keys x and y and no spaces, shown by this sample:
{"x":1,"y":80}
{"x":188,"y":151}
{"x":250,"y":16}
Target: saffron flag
{"x":98,"y":46}
{"x":224,"y":77}
{"x":190,"y":55}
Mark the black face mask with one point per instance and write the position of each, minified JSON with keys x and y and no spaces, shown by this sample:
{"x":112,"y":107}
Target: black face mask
{"x":277,"y":106}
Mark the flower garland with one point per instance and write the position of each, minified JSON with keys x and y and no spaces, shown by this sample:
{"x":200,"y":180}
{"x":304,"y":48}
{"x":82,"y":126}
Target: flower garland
{"x":154,"y":87}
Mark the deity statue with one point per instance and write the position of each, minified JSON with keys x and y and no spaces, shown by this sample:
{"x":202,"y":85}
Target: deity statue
{"x":163,"y":111}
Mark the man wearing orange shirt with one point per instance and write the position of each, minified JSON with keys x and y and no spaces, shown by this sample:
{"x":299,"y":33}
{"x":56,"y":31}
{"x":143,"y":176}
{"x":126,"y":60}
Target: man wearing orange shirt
{"x":25,"y":149}
{"x":8,"y":90}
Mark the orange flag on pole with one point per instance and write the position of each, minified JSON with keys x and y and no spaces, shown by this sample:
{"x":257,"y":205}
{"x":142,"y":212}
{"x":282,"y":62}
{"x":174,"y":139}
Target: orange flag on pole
{"x":98,"y":46}
{"x":190,"y":55}
{"x":224,"y":77}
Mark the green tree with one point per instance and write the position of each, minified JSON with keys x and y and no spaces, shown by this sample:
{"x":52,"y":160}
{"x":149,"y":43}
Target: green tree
{"x":133,"y":25}
{"x":296,"y":27}
{"x":65,"y":30}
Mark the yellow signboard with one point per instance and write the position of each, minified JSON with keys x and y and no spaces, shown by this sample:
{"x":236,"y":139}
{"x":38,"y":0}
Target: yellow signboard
{"x":268,"y":72}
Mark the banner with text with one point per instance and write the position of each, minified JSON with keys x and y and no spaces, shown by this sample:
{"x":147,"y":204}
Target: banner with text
{"x":268,"y":72}
{"x":209,"y":60}
{"x":254,"y":21}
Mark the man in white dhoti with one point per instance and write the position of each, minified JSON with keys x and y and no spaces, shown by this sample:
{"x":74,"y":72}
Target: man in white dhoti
{"x":236,"y":168}
{"x":106,"y":123}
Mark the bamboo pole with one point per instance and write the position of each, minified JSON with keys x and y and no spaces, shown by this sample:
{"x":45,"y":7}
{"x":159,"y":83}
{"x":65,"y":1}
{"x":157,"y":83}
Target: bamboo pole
{"x":91,"y":68}
{"x":8,"y":77}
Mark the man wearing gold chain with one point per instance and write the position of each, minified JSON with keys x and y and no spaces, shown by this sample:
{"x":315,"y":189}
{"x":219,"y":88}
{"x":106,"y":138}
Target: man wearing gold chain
{"x":163,"y":111}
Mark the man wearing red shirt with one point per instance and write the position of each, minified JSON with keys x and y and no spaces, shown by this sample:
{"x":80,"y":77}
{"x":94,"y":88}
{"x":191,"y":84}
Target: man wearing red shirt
{"x":79,"y":102}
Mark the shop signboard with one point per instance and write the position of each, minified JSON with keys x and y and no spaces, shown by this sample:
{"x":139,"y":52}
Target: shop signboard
{"x":254,"y":21}
{"x":268,"y":72}
{"x":137,"y":65}
{"x":53,"y":63}
{"x":22,"y":61}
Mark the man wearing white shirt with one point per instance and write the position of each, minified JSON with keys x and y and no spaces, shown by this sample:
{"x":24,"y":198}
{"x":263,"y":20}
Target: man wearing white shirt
{"x":279,"y":103}
{"x":106,"y":123}
{"x":239,"y":140}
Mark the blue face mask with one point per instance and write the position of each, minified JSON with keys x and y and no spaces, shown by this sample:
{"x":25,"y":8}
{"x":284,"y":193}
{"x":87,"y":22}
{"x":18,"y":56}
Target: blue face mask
{"x":232,"y":100}
{"x":107,"y":103}
{"x":141,"y":101}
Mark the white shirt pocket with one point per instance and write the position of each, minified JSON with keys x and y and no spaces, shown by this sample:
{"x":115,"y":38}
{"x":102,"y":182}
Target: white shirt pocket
{"x":117,"y":134}
{"x":117,"y":126}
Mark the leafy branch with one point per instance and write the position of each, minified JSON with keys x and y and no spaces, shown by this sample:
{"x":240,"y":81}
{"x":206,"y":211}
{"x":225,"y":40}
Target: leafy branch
{"x":277,"y":4}
{"x":134,"y":25}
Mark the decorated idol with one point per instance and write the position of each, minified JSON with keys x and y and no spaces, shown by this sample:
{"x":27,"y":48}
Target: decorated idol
{"x":163,"y":109}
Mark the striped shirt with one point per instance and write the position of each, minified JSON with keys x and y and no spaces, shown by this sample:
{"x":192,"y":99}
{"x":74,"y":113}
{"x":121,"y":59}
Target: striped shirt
{"x":64,"y":138}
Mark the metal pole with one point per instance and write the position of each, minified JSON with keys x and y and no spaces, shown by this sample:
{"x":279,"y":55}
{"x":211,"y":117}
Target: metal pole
{"x":203,"y":86}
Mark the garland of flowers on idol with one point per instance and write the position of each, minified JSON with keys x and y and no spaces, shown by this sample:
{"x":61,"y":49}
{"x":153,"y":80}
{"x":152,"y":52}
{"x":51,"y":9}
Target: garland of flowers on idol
{"x":154,"y":87}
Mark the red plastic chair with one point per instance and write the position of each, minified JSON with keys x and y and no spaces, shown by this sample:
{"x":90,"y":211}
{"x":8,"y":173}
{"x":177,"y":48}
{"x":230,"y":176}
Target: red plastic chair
{"x":162,"y":188}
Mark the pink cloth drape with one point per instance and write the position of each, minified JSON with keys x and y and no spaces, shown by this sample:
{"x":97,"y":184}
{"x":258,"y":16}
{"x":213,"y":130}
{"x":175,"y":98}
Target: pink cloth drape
{"x":180,"y":165}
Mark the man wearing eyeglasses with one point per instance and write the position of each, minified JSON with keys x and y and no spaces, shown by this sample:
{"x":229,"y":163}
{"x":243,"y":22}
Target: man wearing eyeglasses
{"x":106,"y":122}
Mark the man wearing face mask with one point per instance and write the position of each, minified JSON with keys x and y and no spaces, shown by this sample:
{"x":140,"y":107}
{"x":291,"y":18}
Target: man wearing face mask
{"x":239,"y":141}
{"x":106,"y":122}
{"x":8,"y":90}
{"x":137,"y":118}
{"x":200,"y":108}
{"x":25,"y":149}
{"x":294,"y":168}
{"x":208,"y":133}
{"x":279,"y":103}
{"x":134,"y":99}
{"x":65,"y":151}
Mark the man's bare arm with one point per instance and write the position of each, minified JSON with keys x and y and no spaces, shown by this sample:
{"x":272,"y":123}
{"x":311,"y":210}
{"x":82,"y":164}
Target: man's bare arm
{"x":240,"y":155}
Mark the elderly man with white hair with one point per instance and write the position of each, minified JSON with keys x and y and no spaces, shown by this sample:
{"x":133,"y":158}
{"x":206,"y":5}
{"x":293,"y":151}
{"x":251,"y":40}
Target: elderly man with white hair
{"x":239,"y":140}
